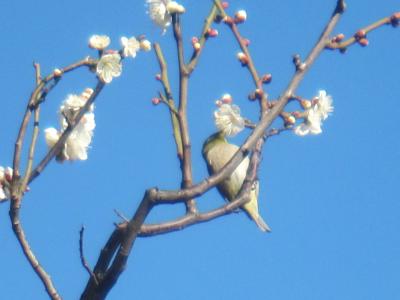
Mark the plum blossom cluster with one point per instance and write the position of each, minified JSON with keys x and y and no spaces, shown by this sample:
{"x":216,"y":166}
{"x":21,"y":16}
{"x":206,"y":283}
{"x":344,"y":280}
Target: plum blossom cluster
{"x":160,"y":12}
{"x":78,"y":142}
{"x":315,"y":112}
{"x":5,"y":181}
{"x":227,"y":117}
{"x":109,"y":64}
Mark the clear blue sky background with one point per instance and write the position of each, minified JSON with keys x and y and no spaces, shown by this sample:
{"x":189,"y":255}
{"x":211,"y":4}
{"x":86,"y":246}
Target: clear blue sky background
{"x":331,"y":200}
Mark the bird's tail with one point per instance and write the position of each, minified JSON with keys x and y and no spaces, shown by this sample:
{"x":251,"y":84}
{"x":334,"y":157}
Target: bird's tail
{"x":251,"y":208}
{"x":261,"y":224}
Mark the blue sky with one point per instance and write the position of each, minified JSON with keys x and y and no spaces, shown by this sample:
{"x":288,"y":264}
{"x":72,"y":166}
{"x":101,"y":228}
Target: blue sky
{"x":331,"y":200}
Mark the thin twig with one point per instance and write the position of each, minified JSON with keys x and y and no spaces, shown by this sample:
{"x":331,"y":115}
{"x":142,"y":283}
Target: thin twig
{"x":167,"y":90}
{"x":85,"y":264}
{"x":203,"y":38}
{"x":332,"y":44}
{"x":249,"y":64}
{"x":186,"y":161}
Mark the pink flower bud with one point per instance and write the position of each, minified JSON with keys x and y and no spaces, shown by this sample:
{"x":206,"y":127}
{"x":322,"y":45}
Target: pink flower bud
{"x":360,"y":34}
{"x":339,"y":38}
{"x":243,"y":58}
{"x":158,"y":77}
{"x":246,"y":42}
{"x":259,"y":93}
{"x":225,"y":4}
{"x":226,"y":99}
{"x":266,"y":78}
{"x":363,"y":42}
{"x":211,"y":32}
{"x":155,"y":101}
{"x":57,"y":72}
{"x":240,"y":16}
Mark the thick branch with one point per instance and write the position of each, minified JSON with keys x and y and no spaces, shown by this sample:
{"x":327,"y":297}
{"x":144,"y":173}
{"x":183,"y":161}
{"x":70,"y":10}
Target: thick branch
{"x":188,"y":220}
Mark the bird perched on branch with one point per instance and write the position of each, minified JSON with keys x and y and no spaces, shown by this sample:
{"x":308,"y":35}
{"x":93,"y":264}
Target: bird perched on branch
{"x":217,"y":152}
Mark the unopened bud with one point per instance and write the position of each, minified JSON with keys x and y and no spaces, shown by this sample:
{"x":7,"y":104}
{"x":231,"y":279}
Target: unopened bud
{"x":195,"y":43}
{"x":363,"y":42}
{"x":360,"y":34}
{"x":195,"y":39}
{"x":145,"y":45}
{"x":246,"y":42}
{"x":290,"y":120}
{"x":306,"y":104}
{"x":87,"y":93}
{"x":155,"y":101}
{"x":57,"y":72}
{"x":259,"y":93}
{"x":196,"y":46}
{"x":211,"y":32}
{"x":266,"y":78}
{"x":226,"y":99}
{"x":240,"y":16}
{"x":338,"y":38}
{"x":225,"y":4}
{"x":243,"y":58}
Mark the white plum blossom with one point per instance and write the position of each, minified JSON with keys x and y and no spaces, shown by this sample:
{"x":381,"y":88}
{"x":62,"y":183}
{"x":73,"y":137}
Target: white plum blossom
{"x":99,"y":42}
{"x":109,"y":66}
{"x":130,"y":46}
{"x":228,"y":119}
{"x":5,"y":181}
{"x":157,"y":10}
{"x":324,"y":104}
{"x":78,"y":142}
{"x":311,"y":125}
{"x":160,"y":11}
{"x":3,"y":195}
{"x":174,"y":7}
{"x":318,"y":112}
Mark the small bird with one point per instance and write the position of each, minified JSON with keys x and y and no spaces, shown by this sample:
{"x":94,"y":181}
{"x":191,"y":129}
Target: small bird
{"x":217,"y":152}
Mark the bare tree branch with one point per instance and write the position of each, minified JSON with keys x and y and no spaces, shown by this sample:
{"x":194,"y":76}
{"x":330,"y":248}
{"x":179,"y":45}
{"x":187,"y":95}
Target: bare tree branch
{"x":154,"y":196}
{"x":85,"y":264}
